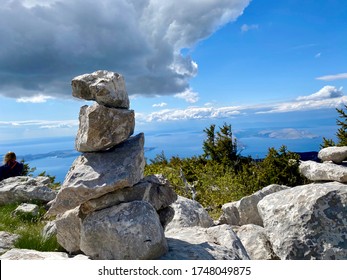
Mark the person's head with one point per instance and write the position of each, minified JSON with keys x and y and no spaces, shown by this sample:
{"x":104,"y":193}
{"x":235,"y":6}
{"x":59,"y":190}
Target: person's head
{"x":10,"y":157}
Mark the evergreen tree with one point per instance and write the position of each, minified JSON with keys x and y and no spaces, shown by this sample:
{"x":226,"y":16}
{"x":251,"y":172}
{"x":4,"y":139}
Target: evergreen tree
{"x":341,"y":132}
{"x":210,"y":142}
{"x":220,"y":146}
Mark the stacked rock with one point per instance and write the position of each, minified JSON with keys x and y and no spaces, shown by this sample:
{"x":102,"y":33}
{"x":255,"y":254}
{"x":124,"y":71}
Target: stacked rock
{"x":105,"y":208}
{"x":332,"y":167}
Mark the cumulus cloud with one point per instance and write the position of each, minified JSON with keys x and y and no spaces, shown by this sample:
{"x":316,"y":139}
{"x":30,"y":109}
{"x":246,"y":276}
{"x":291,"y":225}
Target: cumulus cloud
{"x":188,"y":95}
{"x":324,"y":93}
{"x":50,"y":42}
{"x":189,"y":113}
{"x":287,"y":133}
{"x":333,"y":77}
{"x":327,"y":97}
{"x":34,"y":99}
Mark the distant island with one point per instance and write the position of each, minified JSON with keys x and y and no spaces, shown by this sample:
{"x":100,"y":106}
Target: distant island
{"x":59,"y":154}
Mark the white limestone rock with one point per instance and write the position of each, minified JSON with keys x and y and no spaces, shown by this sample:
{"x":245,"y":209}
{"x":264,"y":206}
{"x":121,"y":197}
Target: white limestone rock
{"x":128,"y":231}
{"x":25,"y":189}
{"x":101,"y":128}
{"x":189,"y":213}
{"x":105,"y":87}
{"x":197,"y":243}
{"x":334,"y":154}
{"x":68,"y":228}
{"x":26,"y":254}
{"x":27,"y":209}
{"x":95,"y":174}
{"x":155,"y":189}
{"x":256,"y":242}
{"x":307,"y":222}
{"x":245,"y":210}
{"x":7,"y":241}
{"x":325,"y":171}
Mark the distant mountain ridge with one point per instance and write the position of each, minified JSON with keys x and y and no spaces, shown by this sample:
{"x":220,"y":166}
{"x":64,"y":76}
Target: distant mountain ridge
{"x":57,"y":154}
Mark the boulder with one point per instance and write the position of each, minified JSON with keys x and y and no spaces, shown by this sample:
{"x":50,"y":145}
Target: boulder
{"x":101,"y":128}
{"x":325,"y":171}
{"x":307,"y":222}
{"x":334,"y":154}
{"x":106,"y":88}
{"x":189,"y":213}
{"x":128,"y":231}
{"x":7,"y":241}
{"x":27,"y":209}
{"x":245,"y":210}
{"x":154,"y":189}
{"x":26,"y":254}
{"x":25,"y":189}
{"x":68,"y":230}
{"x":95,"y":174}
{"x":197,"y":243}
{"x":256,"y":242}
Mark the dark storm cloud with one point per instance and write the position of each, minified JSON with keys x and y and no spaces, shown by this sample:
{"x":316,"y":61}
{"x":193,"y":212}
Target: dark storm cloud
{"x":44,"y":44}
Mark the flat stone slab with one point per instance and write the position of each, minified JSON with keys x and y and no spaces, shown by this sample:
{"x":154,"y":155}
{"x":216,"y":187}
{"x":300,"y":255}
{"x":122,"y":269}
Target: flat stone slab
{"x":95,"y":174}
{"x":25,"y":189}
{"x":155,"y":189}
{"x":197,"y":243}
{"x":325,"y":171}
{"x":26,"y":254}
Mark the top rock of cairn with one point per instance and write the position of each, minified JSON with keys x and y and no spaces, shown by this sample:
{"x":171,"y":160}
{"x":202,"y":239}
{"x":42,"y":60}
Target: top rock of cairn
{"x":104,"y":87}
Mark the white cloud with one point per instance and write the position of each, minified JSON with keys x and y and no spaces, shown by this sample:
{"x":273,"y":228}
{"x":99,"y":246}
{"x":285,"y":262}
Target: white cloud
{"x":142,"y":39}
{"x":318,"y":55}
{"x":287,"y":133}
{"x":303,"y":105}
{"x":43,"y":124}
{"x":333,"y":77}
{"x":162,"y":104}
{"x":188,"y":95}
{"x":34,"y":99}
{"x":188,"y":114}
{"x":324,"y":93}
{"x":327,"y":97}
{"x":248,"y":27}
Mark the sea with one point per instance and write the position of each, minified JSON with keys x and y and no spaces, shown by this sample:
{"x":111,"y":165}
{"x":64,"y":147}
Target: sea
{"x":56,"y":155}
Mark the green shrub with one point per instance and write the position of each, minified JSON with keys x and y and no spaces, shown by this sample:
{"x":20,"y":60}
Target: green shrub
{"x":219,"y":177}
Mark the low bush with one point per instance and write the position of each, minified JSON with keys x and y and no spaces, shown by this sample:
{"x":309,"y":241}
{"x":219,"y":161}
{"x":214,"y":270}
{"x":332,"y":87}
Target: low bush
{"x":213,"y":179}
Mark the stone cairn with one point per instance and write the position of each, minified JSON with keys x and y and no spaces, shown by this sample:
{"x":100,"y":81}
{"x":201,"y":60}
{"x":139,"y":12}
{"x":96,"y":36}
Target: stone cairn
{"x":332,"y":168}
{"x":105,"y":207}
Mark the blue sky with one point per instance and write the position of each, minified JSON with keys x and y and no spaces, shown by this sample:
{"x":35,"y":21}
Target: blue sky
{"x":274,"y":70}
